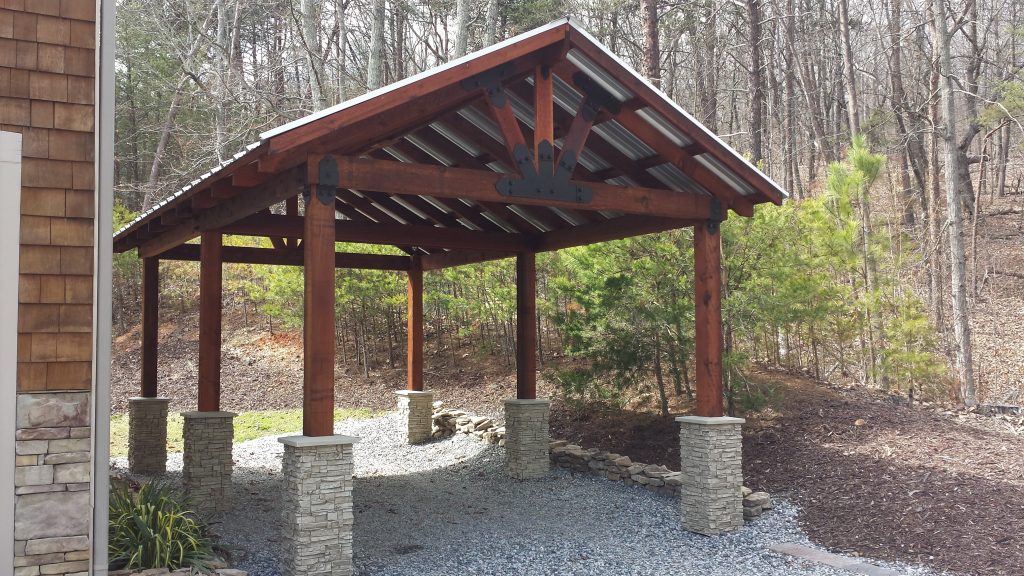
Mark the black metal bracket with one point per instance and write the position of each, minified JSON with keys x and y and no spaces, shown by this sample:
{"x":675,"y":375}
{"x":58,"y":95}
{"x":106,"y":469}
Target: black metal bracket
{"x":716,"y":215}
{"x":546,"y":180}
{"x":595,"y":97}
{"x":490,"y":82}
{"x":327,"y":182}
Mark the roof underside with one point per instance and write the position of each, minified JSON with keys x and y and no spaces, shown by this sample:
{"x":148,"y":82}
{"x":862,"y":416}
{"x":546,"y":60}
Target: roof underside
{"x":435,"y":119}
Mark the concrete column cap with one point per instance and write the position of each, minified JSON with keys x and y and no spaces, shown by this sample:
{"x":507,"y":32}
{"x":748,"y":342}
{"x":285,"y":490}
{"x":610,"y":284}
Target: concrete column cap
{"x":141,"y":399}
{"x":301,"y":441}
{"x":709,"y":420}
{"x":414,"y":392}
{"x":208,"y":414}
{"x":527,"y":402}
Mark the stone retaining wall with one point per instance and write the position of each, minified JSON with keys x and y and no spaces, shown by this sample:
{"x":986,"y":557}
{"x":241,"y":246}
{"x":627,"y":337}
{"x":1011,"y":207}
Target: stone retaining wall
{"x":615,"y":467}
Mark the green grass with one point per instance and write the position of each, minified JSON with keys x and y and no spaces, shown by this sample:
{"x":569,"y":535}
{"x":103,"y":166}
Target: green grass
{"x":248,"y":426}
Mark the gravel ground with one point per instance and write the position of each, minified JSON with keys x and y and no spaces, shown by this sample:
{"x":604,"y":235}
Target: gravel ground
{"x":448,"y":508}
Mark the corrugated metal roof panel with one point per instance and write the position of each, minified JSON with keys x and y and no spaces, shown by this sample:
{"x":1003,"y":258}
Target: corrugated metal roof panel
{"x":623,"y":140}
{"x":664,"y":126}
{"x":599,"y":75}
{"x":676,"y":179}
{"x":727,"y":175}
{"x":481,"y":121}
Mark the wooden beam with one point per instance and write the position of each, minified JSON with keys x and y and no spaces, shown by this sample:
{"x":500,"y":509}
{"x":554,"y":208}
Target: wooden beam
{"x":277,"y":189}
{"x":150,"y":325}
{"x":395,"y":112}
{"x":544,"y":109}
{"x":290,"y":257}
{"x":614,"y":229}
{"x":509,"y":126}
{"x":707,"y":254}
{"x":526,"y":326}
{"x":658,"y":102}
{"x":477,"y":185}
{"x":414,"y":330}
{"x":453,"y":258}
{"x":318,"y":312}
{"x":210,"y":299}
{"x":386,"y":234}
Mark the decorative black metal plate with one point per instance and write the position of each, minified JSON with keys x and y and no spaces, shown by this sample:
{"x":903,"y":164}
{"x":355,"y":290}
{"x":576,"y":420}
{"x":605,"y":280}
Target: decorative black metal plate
{"x":548,"y":182}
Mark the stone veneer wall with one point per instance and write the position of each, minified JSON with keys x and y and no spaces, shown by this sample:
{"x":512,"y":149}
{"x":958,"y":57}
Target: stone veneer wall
{"x":207,"y":463}
{"x":526,"y":438}
{"x":52,"y":478}
{"x":711,"y":454}
{"x":317,"y":506}
{"x":416,"y":409}
{"x":147,"y":435}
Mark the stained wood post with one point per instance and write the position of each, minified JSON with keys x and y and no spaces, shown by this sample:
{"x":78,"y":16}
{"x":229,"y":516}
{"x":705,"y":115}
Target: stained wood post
{"x":150,"y":324}
{"x":210,"y":296}
{"x":526,"y":326}
{"x":318,"y":311}
{"x":414,"y":329}
{"x":707,"y":254}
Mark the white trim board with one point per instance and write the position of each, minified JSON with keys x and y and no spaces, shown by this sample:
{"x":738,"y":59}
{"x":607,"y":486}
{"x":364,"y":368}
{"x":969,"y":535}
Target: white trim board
{"x":103,"y":255}
{"x":10,"y":244}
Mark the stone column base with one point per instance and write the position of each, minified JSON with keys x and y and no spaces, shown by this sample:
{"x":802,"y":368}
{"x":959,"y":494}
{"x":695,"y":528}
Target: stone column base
{"x":147,"y":435}
{"x":206,"y":473}
{"x":416,"y":410}
{"x":711,"y":453}
{"x":317,"y":508}
{"x":526,"y":438}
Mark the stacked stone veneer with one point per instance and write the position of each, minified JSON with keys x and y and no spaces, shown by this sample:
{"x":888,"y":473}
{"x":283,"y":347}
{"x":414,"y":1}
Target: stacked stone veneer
{"x":710,"y":451}
{"x":526,"y":438}
{"x":206,"y":470}
{"x":317,"y":508}
{"x":52,"y":513}
{"x":147,"y":435}
{"x":416,"y":410}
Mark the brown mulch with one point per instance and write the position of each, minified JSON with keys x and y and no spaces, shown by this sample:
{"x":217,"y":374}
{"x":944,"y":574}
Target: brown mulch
{"x":893,"y":482}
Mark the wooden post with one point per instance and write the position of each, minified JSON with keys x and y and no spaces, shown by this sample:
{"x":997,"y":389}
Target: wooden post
{"x":150,"y":324}
{"x":210,"y":295}
{"x":526,"y":326}
{"x":544,"y":111}
{"x":318,"y":319}
{"x":707,"y":254}
{"x":415,"y":327}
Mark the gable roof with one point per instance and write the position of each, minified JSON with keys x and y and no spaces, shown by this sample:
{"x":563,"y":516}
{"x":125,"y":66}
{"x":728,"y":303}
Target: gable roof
{"x":440,"y":117}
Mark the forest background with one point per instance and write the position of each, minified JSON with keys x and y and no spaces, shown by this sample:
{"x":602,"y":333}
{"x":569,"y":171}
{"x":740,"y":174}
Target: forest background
{"x":894,"y":124}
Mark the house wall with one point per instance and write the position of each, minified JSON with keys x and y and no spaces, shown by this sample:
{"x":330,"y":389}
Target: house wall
{"x":47,"y":93}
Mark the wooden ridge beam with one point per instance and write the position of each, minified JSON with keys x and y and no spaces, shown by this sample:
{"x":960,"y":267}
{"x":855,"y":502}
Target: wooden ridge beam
{"x":289,"y":257}
{"x":477,"y":185}
{"x":386,"y":234}
{"x":275,"y":190}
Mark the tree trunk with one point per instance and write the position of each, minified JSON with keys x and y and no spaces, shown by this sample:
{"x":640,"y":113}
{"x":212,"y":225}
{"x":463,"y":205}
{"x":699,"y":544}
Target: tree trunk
{"x":849,"y":72}
{"x":375,"y":62}
{"x":652,"y":46}
{"x":314,"y":60}
{"x":756,"y":80}
{"x":961,"y":320}
{"x":461,"y":27}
